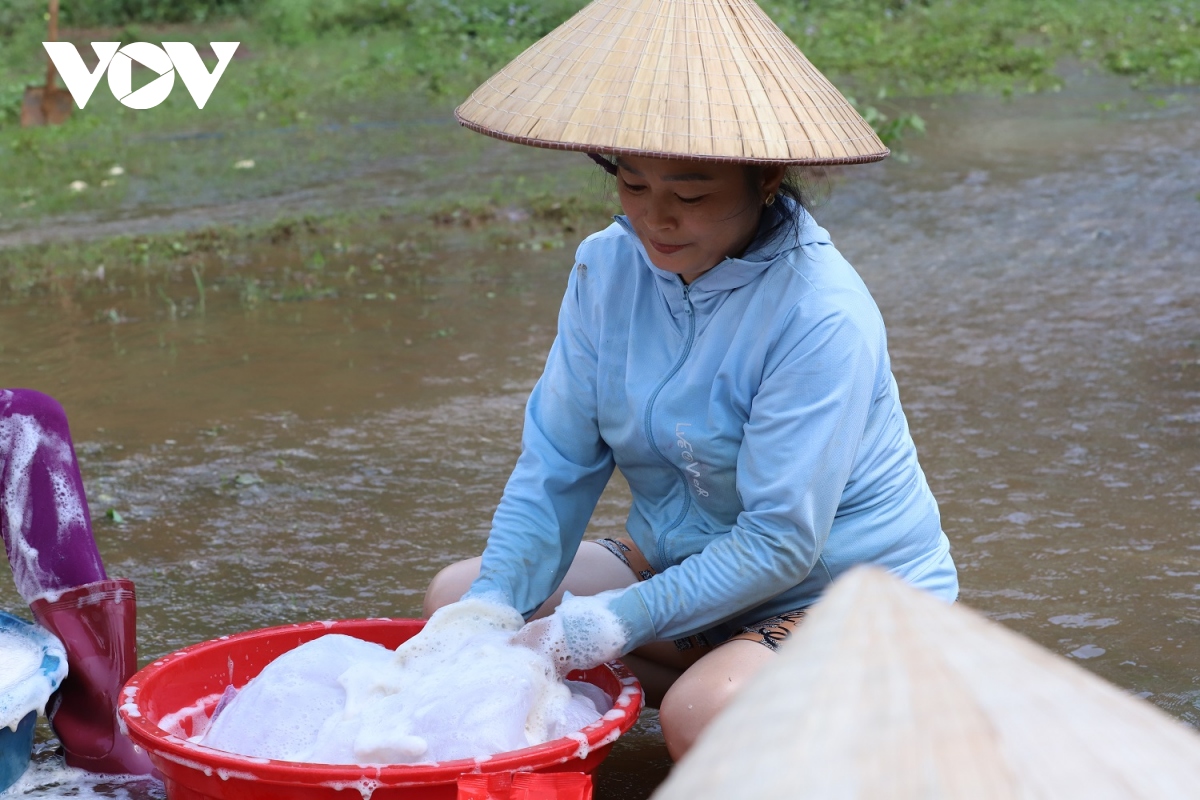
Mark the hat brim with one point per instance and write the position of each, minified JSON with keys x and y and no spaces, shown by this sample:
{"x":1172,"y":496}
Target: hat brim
{"x":631,"y":151}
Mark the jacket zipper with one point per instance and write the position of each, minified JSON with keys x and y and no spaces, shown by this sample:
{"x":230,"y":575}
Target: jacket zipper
{"x":687,"y":494}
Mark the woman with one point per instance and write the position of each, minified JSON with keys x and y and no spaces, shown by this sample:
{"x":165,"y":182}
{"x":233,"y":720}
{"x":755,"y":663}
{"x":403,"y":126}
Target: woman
{"x":715,"y":347}
{"x":47,"y":532}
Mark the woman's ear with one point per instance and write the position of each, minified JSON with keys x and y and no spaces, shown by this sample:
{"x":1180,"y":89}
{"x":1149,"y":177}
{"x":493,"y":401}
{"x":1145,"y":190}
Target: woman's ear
{"x":772,"y":177}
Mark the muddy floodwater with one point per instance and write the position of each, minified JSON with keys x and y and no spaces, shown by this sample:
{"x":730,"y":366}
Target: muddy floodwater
{"x":1035,"y":261}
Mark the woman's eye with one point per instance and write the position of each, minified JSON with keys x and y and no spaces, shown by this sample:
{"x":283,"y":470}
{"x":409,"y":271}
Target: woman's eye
{"x":690,"y":200}
{"x":629,"y":187}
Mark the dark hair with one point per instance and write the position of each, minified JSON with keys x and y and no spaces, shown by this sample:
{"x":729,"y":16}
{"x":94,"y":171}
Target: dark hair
{"x":782,"y":219}
{"x":779,"y":219}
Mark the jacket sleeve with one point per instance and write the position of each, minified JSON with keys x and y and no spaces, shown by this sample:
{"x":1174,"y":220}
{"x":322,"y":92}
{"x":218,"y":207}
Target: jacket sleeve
{"x":562,"y":470}
{"x":800,"y":443}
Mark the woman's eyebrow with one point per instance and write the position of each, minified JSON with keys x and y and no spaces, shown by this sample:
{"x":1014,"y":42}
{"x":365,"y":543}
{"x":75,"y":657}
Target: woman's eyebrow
{"x":682,"y":176}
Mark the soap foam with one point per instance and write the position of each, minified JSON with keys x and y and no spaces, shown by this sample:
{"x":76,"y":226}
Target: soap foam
{"x":24,"y":686}
{"x":20,"y":660}
{"x":459,"y":689}
{"x":592,"y":632}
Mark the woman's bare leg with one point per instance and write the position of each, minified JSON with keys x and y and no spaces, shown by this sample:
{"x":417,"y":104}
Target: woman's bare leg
{"x":705,"y":689}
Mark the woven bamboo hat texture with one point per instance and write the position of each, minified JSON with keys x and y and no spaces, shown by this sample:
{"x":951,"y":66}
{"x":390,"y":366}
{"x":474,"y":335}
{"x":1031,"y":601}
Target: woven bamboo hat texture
{"x":886,"y":691}
{"x":713,"y":80}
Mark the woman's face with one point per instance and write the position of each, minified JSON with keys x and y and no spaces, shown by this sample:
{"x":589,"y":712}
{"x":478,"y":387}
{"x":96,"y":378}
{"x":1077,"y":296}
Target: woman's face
{"x":691,"y":215}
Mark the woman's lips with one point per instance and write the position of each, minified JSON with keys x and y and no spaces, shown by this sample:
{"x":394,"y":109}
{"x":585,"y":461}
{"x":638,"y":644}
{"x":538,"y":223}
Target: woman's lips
{"x":666,"y":249}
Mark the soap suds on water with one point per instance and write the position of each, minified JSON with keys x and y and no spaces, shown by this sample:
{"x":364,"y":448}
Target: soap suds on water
{"x":48,"y":777}
{"x":459,"y":689}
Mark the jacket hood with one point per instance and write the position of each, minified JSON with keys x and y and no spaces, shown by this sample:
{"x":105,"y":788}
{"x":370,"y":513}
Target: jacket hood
{"x":733,"y":273}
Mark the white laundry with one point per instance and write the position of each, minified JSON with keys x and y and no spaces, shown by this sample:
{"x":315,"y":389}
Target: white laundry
{"x":459,"y":689}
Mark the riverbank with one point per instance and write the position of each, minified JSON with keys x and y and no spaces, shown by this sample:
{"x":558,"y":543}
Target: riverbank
{"x":357,"y":97}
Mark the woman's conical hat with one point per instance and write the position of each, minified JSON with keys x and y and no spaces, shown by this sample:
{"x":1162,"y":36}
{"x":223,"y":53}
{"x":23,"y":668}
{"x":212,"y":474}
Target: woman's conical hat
{"x":713,"y":80}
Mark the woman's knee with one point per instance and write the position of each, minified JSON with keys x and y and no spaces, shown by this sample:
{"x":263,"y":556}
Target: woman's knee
{"x":451,"y":584}
{"x":705,"y":689}
{"x":687,"y":709}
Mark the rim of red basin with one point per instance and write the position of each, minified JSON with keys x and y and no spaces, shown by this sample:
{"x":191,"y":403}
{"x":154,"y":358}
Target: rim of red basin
{"x":146,"y":733}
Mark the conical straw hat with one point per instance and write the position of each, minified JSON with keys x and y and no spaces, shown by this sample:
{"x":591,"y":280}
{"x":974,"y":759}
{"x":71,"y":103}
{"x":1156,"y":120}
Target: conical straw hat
{"x":701,"y":79}
{"x":886,"y":691}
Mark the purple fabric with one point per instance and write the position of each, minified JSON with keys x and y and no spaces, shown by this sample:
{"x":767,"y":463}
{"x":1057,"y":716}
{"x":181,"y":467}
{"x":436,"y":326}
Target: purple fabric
{"x":43,"y":509}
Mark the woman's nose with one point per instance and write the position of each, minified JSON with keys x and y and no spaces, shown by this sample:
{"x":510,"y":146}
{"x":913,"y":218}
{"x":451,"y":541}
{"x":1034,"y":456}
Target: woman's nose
{"x":658,"y":216}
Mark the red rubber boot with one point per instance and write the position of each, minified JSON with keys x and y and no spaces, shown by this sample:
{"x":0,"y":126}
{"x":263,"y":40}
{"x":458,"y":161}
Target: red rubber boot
{"x":97,"y":624}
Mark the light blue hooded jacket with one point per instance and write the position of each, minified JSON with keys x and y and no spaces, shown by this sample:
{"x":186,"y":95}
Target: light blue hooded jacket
{"x":753,"y":414}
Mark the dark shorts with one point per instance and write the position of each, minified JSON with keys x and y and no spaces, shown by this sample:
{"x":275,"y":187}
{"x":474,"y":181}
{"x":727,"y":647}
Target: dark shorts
{"x":770,"y":632}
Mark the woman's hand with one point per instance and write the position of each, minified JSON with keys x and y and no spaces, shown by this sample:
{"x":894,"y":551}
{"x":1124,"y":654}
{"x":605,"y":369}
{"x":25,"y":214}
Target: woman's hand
{"x":580,"y":634}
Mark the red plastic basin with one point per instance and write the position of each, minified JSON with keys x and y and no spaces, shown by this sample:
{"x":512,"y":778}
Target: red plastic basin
{"x":196,"y":676}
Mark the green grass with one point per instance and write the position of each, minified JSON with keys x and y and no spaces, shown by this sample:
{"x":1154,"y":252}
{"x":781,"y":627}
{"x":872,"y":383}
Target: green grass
{"x":275,"y":106}
{"x":909,"y":46}
{"x":296,"y":258}
{"x":914,"y":47}
{"x":310,"y":64}
{"x":442,"y":47}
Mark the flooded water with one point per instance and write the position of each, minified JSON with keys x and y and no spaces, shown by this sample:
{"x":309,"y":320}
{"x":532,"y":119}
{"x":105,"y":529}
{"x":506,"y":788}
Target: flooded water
{"x":1035,"y":262}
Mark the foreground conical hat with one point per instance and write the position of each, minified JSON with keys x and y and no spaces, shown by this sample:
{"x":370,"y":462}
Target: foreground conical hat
{"x":887,"y":692}
{"x":707,"y":79}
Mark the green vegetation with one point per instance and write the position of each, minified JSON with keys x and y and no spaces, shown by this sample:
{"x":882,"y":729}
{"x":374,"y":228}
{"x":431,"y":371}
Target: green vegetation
{"x":355,"y":72}
{"x":940,"y":46}
{"x":909,"y":46}
{"x":306,"y":67}
{"x":101,"y":13}
{"x":361,"y":255}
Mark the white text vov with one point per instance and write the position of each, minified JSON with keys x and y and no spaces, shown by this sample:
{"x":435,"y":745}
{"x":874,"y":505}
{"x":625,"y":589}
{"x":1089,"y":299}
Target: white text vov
{"x":118,"y":61}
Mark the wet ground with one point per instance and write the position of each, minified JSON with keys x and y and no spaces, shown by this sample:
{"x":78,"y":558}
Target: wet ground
{"x":1036,"y":264}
